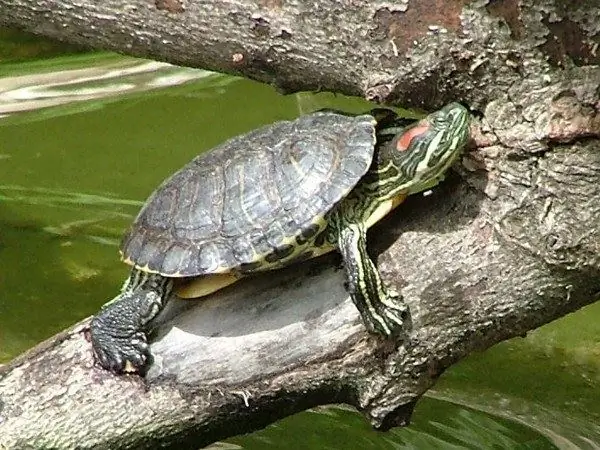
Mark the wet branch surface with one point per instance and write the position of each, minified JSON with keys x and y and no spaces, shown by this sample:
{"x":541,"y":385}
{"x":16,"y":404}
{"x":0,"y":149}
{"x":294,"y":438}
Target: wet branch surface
{"x":509,"y":242}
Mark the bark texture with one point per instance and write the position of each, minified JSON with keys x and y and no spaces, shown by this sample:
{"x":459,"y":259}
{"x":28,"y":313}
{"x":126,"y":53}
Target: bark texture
{"x":509,"y":243}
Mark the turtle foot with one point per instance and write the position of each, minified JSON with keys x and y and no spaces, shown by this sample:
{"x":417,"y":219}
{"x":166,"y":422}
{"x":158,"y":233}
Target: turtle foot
{"x":390,"y":316}
{"x":120,"y":354}
{"x":118,"y":331}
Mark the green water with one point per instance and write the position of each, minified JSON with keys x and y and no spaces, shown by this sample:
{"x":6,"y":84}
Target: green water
{"x":73,"y":176}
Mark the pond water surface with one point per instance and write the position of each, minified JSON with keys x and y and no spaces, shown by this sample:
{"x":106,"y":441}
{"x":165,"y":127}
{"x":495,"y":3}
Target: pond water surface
{"x":85,"y":139}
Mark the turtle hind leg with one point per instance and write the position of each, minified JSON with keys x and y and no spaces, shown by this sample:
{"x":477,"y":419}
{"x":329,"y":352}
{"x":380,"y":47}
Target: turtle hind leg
{"x":383,"y":311}
{"x":118,"y":331}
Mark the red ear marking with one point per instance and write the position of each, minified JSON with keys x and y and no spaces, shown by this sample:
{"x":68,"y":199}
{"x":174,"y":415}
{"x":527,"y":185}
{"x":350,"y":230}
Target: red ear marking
{"x":404,"y":142}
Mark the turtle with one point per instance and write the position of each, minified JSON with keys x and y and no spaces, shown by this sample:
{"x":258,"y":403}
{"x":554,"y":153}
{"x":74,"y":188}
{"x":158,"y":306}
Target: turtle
{"x":277,"y":195}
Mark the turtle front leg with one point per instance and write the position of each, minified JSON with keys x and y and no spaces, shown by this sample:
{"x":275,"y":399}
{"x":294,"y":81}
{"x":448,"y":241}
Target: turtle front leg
{"x":383,"y":311}
{"x":118,"y":331}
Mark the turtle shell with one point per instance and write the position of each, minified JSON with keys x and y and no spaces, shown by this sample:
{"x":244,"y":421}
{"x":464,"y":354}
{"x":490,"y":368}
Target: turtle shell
{"x":251,"y":199}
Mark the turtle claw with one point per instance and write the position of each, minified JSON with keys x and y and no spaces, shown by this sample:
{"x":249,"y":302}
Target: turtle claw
{"x":118,"y":331}
{"x":392,"y":315}
{"x":121,"y":354}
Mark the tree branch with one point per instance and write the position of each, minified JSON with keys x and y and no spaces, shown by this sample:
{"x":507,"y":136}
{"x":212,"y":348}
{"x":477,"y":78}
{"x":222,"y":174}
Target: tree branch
{"x":424,"y":52}
{"x":510,"y":245}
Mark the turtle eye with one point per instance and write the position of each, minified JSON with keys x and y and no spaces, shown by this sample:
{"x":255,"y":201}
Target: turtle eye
{"x":439,"y":121}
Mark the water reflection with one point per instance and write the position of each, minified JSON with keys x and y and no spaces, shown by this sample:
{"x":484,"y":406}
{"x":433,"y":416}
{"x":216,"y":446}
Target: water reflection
{"x":41,"y":90}
{"x":436,"y":425}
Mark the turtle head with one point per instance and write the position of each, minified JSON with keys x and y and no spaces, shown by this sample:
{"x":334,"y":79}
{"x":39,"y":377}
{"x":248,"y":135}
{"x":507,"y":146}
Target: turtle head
{"x":424,"y":150}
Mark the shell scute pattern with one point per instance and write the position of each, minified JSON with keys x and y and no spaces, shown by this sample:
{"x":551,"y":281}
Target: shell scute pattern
{"x":250,"y":194}
{"x":175,"y":256}
{"x":196,"y":211}
{"x":253,"y":201}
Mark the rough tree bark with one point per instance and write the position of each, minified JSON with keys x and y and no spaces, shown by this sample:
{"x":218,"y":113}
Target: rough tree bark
{"x":510,"y":244}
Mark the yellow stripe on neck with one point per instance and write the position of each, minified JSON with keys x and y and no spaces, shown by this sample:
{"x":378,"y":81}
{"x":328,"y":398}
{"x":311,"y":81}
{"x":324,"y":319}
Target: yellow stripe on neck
{"x":384,"y":209}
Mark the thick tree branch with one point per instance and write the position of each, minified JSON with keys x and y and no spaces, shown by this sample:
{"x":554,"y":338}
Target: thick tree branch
{"x":420,"y":52}
{"x":511,"y":244}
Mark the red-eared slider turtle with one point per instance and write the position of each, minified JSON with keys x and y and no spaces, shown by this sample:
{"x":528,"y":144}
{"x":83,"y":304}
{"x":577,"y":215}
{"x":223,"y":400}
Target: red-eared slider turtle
{"x":285,"y":192}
